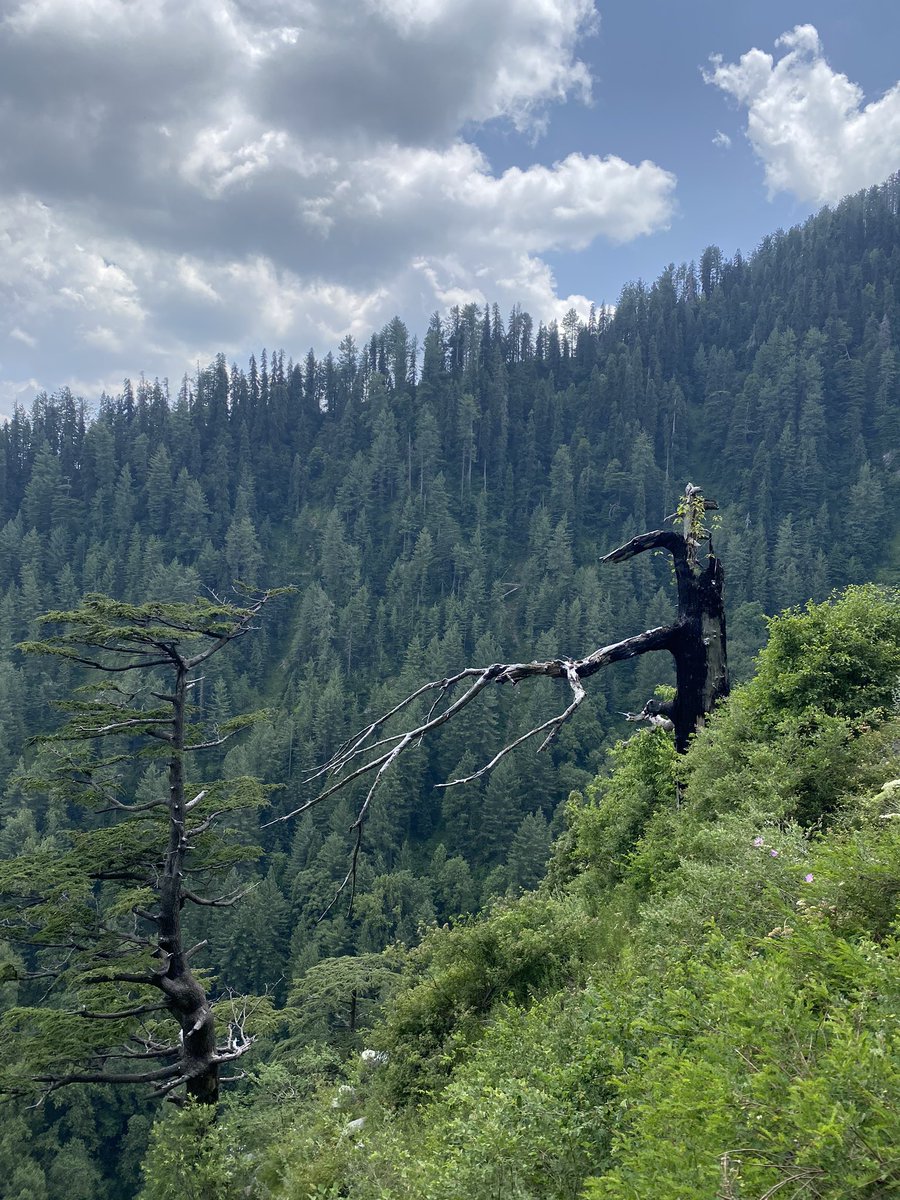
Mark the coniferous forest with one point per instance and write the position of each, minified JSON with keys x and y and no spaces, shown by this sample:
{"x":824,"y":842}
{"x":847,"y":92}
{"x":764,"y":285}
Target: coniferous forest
{"x":605,"y":970}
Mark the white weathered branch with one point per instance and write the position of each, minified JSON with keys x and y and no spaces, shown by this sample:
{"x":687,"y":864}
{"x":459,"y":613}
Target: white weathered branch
{"x":485,"y":676}
{"x":119,"y":726}
{"x":553,"y":725}
{"x":573,"y":670}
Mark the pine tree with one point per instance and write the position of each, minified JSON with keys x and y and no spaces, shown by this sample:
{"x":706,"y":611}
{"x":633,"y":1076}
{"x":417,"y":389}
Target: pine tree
{"x":102,"y":907}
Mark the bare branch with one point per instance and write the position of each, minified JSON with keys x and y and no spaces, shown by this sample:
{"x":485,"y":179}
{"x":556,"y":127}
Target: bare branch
{"x":175,"y":1070}
{"x":237,"y":1052}
{"x":203,"y":826}
{"x":553,"y":725}
{"x":118,"y":806}
{"x":355,"y":745}
{"x":219,"y":740}
{"x":118,"y":726}
{"x":485,"y":676}
{"x":115,"y":805}
{"x":109,"y":670}
{"x":350,"y":877}
{"x":658,"y":539}
{"x":339,"y":762}
{"x":660,"y":638}
{"x":445,"y":689}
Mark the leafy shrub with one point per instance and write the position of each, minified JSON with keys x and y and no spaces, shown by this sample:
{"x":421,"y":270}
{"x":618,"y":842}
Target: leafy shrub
{"x":521,"y":949}
{"x":773,"y":1066}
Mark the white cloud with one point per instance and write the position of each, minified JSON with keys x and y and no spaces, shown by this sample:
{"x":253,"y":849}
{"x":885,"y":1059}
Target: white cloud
{"x":15,"y":392}
{"x":103,"y":338}
{"x":808,"y":123}
{"x":51,"y":273}
{"x":220,"y":174}
{"x":528,"y":281}
{"x":416,"y":71}
{"x":722,"y":140}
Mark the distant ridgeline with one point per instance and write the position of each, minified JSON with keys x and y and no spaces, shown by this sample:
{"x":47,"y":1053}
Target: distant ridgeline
{"x":447,"y":503}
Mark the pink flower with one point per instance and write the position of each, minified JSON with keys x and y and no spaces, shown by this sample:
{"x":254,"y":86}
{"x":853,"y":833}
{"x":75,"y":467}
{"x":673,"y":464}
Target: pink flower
{"x":758,"y":841}
{"x":808,"y":878}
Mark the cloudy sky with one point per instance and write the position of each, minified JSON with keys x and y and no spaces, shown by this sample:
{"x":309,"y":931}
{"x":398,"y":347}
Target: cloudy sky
{"x":179,"y":177}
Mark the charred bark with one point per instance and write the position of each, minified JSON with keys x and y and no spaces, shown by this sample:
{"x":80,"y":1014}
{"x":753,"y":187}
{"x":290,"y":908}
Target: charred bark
{"x":697,"y":638}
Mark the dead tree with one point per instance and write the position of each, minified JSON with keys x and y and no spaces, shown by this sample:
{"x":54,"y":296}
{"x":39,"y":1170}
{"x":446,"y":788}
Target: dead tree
{"x":695,"y":639}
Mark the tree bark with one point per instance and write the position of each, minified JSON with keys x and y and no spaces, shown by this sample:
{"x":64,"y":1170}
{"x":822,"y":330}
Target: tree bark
{"x":696,"y":640}
{"x":185,"y":998}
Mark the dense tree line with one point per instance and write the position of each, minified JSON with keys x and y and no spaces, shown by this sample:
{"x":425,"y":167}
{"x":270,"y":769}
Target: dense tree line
{"x":447,"y":503}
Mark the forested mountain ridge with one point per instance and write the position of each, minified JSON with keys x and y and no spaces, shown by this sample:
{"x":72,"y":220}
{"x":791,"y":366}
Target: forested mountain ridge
{"x":437,"y":508}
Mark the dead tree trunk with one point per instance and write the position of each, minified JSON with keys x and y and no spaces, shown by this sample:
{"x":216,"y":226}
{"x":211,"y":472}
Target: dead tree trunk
{"x":696,"y":640}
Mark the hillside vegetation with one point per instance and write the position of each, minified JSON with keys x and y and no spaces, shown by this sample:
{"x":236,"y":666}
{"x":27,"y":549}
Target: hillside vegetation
{"x":700,"y":1000}
{"x":668,"y":998}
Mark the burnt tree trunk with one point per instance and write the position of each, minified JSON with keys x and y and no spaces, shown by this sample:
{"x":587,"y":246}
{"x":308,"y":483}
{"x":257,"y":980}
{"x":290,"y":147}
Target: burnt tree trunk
{"x":696,"y":640}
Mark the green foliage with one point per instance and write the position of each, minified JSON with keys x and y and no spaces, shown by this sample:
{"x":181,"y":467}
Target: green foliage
{"x":457,"y":976}
{"x":617,"y":807}
{"x":189,"y":1158}
{"x":336,"y":997}
{"x":857,"y":868}
{"x":118,"y":628}
{"x":523,"y":1117}
{"x":841,"y":657}
{"x":429,"y":523}
{"x":772,"y":1069}
{"x":284,"y":1138}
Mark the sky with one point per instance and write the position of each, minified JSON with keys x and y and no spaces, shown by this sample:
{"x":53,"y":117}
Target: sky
{"x":183,"y":177}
